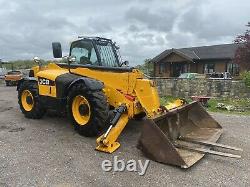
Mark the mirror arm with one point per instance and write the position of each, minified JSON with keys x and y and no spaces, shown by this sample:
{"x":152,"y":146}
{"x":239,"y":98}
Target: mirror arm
{"x":68,"y":62}
{"x":69,"y":67}
{"x":70,"y":59}
{"x":38,"y":61}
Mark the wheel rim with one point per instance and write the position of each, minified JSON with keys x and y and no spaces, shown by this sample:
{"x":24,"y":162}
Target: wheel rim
{"x":81,"y":110}
{"x":27,"y":100}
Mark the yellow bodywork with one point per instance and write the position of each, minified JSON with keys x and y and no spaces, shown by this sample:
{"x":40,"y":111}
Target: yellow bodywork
{"x":177,"y":103}
{"x":129,"y":88}
{"x":51,"y":72}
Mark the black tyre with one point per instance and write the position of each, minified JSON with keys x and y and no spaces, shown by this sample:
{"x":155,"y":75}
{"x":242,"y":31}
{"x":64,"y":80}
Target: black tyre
{"x":87,"y":110}
{"x":14,"y":83}
{"x":7,"y":83}
{"x":28,"y":99}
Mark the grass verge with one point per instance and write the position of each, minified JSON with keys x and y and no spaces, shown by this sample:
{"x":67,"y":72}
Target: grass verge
{"x":242,"y":104}
{"x":213,"y":103}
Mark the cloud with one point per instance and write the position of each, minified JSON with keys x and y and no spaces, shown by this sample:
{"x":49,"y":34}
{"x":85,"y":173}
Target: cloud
{"x":142,"y":28}
{"x":160,"y":20}
{"x":215,"y":20}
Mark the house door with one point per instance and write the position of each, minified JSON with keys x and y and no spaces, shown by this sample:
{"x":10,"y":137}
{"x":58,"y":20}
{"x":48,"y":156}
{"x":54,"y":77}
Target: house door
{"x":178,"y":69}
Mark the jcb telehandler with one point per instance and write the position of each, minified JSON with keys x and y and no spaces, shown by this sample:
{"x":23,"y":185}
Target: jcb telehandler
{"x":96,"y":90}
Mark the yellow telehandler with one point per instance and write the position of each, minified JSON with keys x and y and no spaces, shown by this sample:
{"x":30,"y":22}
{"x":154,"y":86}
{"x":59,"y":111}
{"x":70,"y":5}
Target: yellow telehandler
{"x":101,"y":94}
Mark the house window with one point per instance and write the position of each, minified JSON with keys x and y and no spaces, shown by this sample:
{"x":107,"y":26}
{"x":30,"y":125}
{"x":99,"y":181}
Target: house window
{"x":209,"y":68}
{"x":233,"y":69}
{"x":180,"y":68}
{"x":162,"y":68}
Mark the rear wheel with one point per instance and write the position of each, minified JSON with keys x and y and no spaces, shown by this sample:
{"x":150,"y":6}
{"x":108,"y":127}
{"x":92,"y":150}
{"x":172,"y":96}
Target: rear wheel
{"x":87,"y":110}
{"x":28,"y":100}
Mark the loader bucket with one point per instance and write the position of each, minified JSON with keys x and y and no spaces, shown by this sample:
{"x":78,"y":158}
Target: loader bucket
{"x":172,"y":138}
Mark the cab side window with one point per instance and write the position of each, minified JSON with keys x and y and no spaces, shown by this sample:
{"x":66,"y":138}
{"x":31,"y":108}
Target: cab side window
{"x":84,"y":52}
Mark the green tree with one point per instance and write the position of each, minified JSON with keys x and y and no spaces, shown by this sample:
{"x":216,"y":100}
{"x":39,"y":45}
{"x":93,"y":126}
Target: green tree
{"x":22,"y":64}
{"x":147,"y":67}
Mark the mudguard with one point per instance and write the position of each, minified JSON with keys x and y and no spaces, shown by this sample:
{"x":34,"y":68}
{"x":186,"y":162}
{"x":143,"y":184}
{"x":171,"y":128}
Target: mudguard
{"x":65,"y":81}
{"x":25,"y":79}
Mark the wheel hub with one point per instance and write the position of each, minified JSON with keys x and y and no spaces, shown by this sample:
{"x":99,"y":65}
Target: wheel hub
{"x":83,"y":109}
{"x":29,"y":100}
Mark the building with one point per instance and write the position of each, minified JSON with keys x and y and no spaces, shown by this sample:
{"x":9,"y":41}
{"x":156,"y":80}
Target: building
{"x":205,"y":59}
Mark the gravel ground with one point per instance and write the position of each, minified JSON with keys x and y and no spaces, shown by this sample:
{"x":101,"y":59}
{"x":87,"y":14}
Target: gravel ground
{"x":49,"y":152}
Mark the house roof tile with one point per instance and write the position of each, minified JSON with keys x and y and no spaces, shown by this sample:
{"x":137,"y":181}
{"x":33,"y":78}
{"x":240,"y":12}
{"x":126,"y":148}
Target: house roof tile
{"x":224,"y":51}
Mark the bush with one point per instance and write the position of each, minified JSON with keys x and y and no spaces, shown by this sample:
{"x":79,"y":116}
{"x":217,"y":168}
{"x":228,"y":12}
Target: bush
{"x":22,"y":64}
{"x":246,"y":77}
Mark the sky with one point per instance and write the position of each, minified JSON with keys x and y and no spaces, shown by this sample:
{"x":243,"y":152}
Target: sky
{"x":142,"y":28}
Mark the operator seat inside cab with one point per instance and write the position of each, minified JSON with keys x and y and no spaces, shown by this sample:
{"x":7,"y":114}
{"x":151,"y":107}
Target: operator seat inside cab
{"x":84,"y":53}
{"x":85,"y":60}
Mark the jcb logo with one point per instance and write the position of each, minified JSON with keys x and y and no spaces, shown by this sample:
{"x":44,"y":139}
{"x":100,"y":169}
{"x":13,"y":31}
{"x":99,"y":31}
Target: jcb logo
{"x":43,"y":81}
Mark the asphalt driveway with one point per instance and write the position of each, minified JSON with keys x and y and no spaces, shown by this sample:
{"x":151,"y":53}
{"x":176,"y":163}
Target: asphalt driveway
{"x":48,"y":152}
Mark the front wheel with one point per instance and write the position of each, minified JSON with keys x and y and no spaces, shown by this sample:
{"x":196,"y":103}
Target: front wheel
{"x":28,"y":100}
{"x":87,"y":110}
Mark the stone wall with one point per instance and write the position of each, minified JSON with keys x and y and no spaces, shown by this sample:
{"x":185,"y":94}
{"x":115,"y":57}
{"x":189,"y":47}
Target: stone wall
{"x":205,"y":87}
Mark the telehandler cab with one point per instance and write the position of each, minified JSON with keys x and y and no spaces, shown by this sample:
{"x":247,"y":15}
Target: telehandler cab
{"x":96,"y":90}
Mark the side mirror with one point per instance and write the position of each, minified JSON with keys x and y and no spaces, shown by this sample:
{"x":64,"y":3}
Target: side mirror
{"x":57,"y":49}
{"x":38,"y":61}
{"x":126,"y":63}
